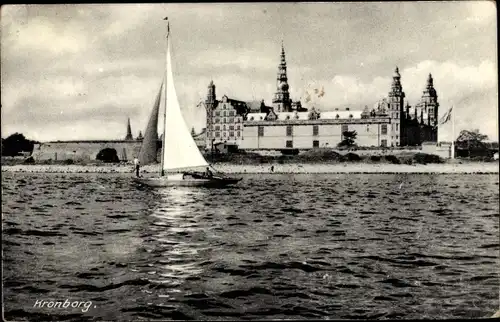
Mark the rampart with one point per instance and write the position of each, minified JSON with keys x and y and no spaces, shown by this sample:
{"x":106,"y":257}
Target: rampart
{"x":84,"y":150}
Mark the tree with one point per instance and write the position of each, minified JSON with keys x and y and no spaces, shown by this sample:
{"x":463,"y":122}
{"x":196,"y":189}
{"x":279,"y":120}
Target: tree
{"x":472,"y":141}
{"x":471,"y":136}
{"x":348,"y":139}
{"x":15,"y":144}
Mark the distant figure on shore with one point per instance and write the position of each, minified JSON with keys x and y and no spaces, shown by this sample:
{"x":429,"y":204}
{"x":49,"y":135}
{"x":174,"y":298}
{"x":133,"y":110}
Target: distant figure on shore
{"x":209,"y":173}
{"x":272,"y":168}
{"x":137,"y":165}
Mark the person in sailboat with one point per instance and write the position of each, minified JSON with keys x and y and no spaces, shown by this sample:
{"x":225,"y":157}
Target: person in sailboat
{"x":137,"y":165}
{"x":209,"y":173}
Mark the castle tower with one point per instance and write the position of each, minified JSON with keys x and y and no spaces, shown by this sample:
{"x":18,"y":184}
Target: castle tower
{"x":281,"y":100}
{"x":211,"y":93}
{"x":398,"y":132}
{"x":429,"y":101}
{"x":210,"y":105}
{"x":129,"y":131}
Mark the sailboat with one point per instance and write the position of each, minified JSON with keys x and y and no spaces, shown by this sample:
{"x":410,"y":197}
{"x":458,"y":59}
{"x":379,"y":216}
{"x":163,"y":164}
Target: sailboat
{"x":180,"y":156}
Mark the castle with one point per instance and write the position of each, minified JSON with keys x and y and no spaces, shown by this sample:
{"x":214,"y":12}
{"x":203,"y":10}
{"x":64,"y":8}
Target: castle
{"x":287,"y":125}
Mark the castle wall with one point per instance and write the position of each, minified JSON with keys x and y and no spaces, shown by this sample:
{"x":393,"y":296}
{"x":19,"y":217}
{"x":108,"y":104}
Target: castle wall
{"x":443,"y":149}
{"x":302,"y":135}
{"x":84,"y":150}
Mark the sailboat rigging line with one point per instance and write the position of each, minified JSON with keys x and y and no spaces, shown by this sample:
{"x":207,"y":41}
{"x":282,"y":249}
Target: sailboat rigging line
{"x":162,"y":171}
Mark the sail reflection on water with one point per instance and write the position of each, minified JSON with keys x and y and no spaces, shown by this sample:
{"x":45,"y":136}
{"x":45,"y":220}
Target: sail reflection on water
{"x":177,"y":236}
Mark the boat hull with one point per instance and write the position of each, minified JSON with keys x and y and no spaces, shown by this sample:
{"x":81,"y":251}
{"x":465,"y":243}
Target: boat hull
{"x":160,"y":182}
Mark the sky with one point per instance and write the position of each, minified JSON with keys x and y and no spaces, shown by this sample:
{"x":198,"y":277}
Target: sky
{"x":77,"y":72}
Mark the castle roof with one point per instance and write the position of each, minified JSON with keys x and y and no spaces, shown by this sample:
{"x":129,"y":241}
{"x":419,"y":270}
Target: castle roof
{"x":282,"y":116}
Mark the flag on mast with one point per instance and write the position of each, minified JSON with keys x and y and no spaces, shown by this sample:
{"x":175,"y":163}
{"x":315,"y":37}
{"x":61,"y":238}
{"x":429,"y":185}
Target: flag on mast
{"x":446,"y":117}
{"x":168,"y":25}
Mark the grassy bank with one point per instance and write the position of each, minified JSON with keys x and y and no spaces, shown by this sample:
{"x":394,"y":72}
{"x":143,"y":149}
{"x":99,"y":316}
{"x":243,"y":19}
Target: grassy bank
{"x":328,"y":156}
{"x":314,"y":156}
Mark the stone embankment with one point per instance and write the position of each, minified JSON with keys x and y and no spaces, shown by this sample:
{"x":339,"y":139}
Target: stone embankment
{"x":466,"y":168}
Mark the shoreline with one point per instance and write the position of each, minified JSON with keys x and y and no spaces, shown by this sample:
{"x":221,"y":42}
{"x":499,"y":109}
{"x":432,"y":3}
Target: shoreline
{"x":299,"y":168}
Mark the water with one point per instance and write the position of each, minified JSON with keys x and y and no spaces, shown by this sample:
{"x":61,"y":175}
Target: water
{"x":273,"y":247}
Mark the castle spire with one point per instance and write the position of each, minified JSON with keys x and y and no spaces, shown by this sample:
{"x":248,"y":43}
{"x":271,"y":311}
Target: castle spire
{"x":129,"y":131}
{"x":396,"y":88}
{"x":281,"y":100}
{"x":429,"y":88}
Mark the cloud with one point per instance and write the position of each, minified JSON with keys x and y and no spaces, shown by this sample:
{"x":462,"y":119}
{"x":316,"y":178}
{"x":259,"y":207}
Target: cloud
{"x":40,"y":35}
{"x":239,"y":59}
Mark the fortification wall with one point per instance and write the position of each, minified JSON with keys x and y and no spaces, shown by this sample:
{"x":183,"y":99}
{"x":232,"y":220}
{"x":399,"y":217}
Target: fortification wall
{"x":84,"y":150}
{"x":443,"y":149}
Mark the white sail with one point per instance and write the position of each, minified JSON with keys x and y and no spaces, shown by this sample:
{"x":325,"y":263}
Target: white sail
{"x":180,"y":150}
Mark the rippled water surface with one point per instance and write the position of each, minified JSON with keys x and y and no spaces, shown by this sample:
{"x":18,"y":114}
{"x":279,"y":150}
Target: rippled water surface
{"x":272,"y":247}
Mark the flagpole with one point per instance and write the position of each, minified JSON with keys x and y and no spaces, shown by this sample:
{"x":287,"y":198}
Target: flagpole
{"x":453,"y":134}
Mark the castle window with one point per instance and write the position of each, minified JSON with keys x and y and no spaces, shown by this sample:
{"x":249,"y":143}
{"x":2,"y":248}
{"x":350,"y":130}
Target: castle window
{"x":217,"y":120}
{"x":289,"y":144}
{"x":217,"y":134}
{"x":217,"y":127}
{"x":231,"y":113}
{"x":225,"y":120}
{"x":397,"y":127}
{"x":231,"y":134}
{"x":224,"y":127}
{"x":238,"y":133}
{"x":315,"y":144}
{"x":217,"y":113}
{"x":383,"y":143}
{"x":231,"y":120}
{"x":224,"y":133}
{"x":392,"y":127}
{"x":397,"y":115}
{"x":261,"y":131}
{"x":237,"y":127}
{"x":238,"y":120}
{"x":289,"y":130}
{"x":315,"y":130}
{"x":224,"y":113}
{"x":224,"y":106}
{"x":231,"y":127}
{"x":384,"y":128}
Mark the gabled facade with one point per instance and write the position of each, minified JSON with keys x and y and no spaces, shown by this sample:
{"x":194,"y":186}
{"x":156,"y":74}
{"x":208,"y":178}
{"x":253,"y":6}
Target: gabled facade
{"x":224,"y":119}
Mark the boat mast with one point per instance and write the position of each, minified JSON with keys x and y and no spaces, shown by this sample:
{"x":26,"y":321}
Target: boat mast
{"x":162,"y":172}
